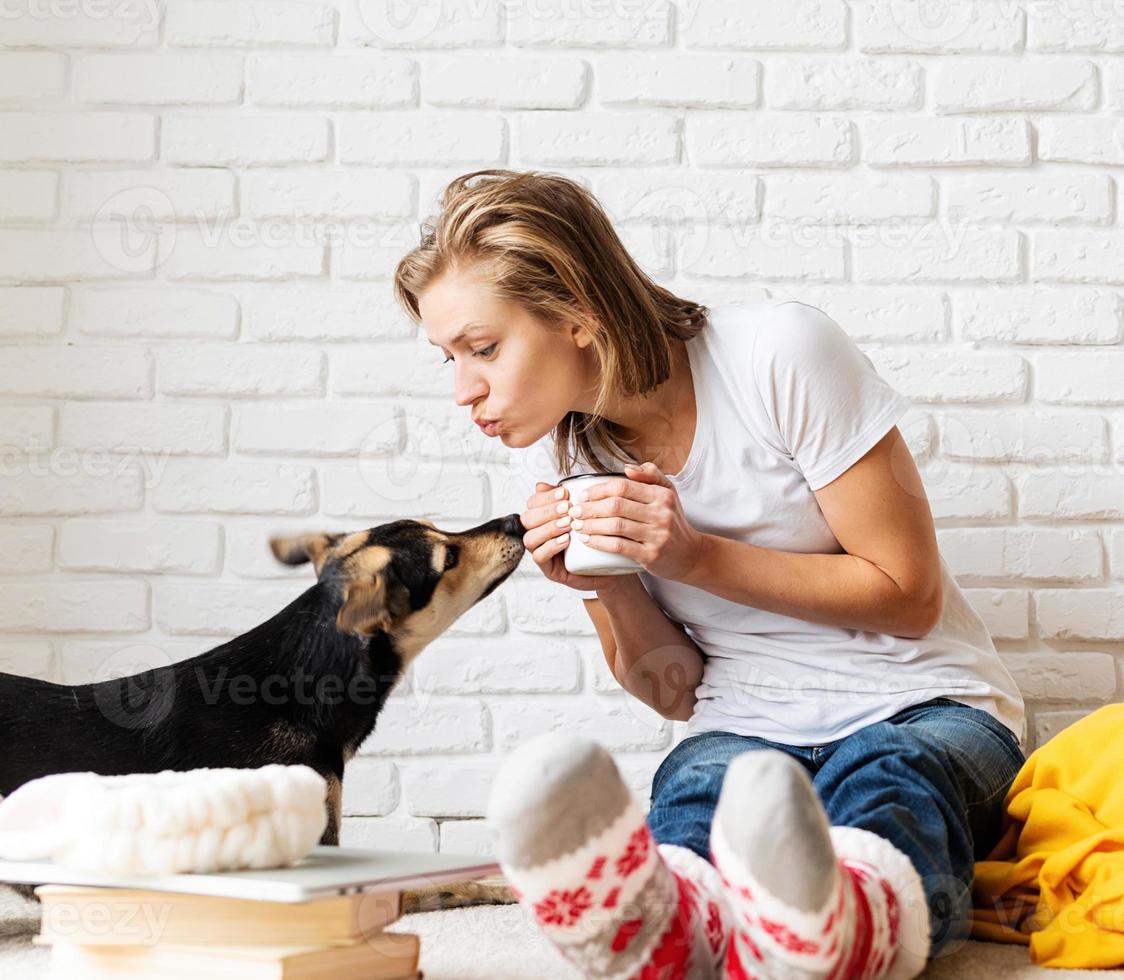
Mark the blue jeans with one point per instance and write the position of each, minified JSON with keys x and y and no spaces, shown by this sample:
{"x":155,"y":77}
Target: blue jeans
{"x":930,"y":779}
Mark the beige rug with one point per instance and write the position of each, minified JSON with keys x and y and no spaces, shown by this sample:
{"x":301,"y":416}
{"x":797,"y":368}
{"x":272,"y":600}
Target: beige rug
{"x":498,"y":942}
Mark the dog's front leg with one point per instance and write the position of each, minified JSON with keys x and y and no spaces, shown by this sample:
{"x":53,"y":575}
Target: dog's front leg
{"x":334,"y":800}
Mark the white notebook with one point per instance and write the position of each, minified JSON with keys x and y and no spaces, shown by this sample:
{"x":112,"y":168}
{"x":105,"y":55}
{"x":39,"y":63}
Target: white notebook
{"x":324,"y":871}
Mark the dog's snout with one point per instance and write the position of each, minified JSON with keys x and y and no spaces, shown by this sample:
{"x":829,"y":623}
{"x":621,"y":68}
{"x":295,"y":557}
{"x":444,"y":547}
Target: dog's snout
{"x":513,"y":525}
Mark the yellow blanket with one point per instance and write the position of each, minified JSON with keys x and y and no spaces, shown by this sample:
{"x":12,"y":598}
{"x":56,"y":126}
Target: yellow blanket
{"x":1055,"y":879}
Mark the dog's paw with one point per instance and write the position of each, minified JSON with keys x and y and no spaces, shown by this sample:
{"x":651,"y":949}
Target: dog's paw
{"x":493,"y":890}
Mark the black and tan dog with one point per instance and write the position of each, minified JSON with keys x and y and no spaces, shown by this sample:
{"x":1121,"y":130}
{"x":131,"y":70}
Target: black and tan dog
{"x":303,"y":688}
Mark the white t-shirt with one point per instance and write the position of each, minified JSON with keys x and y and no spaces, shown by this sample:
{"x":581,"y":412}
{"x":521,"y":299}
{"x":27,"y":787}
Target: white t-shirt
{"x":786,"y":403}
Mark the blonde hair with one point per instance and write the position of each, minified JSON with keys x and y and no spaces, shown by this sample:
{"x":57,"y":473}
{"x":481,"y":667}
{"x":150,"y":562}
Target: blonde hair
{"x":543,"y":241}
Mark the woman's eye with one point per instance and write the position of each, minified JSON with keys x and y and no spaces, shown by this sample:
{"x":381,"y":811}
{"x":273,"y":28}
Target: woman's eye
{"x":484,"y":350}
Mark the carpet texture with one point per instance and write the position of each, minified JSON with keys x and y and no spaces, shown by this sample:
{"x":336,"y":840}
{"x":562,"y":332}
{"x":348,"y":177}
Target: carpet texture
{"x":498,"y":942}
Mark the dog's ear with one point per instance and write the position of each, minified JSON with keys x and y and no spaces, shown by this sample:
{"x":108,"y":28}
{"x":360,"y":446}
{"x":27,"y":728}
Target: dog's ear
{"x":371,"y":605}
{"x":298,"y":549}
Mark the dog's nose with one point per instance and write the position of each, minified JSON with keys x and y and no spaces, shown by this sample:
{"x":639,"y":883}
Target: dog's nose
{"x":514,"y":526}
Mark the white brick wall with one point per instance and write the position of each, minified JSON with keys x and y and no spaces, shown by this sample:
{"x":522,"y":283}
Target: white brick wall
{"x":201,"y":204}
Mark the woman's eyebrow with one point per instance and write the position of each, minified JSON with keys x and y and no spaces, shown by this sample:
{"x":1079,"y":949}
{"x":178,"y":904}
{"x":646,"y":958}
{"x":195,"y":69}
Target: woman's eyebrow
{"x":460,"y":336}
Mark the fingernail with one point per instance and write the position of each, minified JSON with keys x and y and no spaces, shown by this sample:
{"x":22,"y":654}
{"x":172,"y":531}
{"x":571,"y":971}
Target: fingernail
{"x":562,"y":521}
{"x":562,"y":507}
{"x":563,"y":537}
{"x":584,"y":537}
{"x":559,"y":493}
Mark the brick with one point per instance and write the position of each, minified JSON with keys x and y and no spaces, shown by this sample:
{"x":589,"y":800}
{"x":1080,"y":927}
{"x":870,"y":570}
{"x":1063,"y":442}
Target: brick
{"x":957,"y":492}
{"x":936,"y":252}
{"x":76,"y":372}
{"x":234,"y":488}
{"x":725,"y":139}
{"x":891,"y":27}
{"x":132,"y":24}
{"x":220,"y":609}
{"x":467,"y":837}
{"x":198,"y":430}
{"x":597,"y":138}
{"x":557,"y":24}
{"x":167,"y":312}
{"x":403,"y":368}
{"x":1009,"y":436}
{"x":50,"y":255}
{"x":947,"y":376}
{"x":324,"y":312}
{"x":87,"y":605}
{"x":1114,"y":539}
{"x":244,"y":140}
{"x":248,"y":554}
{"x":1077,"y":255}
{"x":441,"y":789}
{"x":1019,"y":198}
{"x":803,"y":25}
{"x":31,"y":76}
{"x":755,"y":252}
{"x":679,"y":197}
{"x":1047,"y":724}
{"x":985,"y":84}
{"x":1062,"y":554}
{"x":241,"y":249}
{"x":370,"y":788}
{"x":140,"y":546}
{"x":159,"y":78}
{"x":1080,"y":379}
{"x":371,"y":251}
{"x":1091,"y":496}
{"x":508,"y":666}
{"x":846,"y":198}
{"x":1006,"y":612}
{"x":538,"y":607}
{"x":1063,"y":676}
{"x":907,"y":141}
{"x":453,"y":24}
{"x":1039,"y":315}
{"x":834,"y":83}
{"x":27,"y":658}
{"x":373,"y":488}
{"x":1074,"y":27}
{"x":68,"y":483}
{"x":881,"y":313}
{"x":235,"y":370}
{"x":358,"y":80}
{"x":1080,"y":614}
{"x":165,"y":194}
{"x":88,"y":137}
{"x":421,"y":726}
{"x":26,"y":548}
{"x":27,"y":426}
{"x":703,"y":81}
{"x":492,"y":82}
{"x":396,"y":138}
{"x":28,"y":195}
{"x":31,"y":311}
{"x":623,"y":724}
{"x":1092,"y":139}
{"x":393,"y":833}
{"x":319,"y":430}
{"x":89,"y":661}
{"x":258,"y":23}
{"x":372,"y":195}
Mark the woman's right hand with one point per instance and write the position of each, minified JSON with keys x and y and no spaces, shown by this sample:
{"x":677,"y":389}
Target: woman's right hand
{"x":546,"y":541}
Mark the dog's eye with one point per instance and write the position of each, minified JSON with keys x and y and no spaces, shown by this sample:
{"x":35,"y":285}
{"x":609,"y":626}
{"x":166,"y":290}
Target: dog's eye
{"x":452,"y":554}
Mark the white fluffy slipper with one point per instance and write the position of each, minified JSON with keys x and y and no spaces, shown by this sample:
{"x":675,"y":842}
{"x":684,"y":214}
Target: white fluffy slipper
{"x":167,"y":822}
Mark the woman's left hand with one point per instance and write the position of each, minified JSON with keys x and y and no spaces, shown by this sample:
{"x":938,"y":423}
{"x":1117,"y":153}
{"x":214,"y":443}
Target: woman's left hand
{"x":639,"y":516}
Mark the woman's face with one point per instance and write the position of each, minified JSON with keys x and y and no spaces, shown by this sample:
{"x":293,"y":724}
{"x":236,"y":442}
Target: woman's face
{"x":508,"y":365}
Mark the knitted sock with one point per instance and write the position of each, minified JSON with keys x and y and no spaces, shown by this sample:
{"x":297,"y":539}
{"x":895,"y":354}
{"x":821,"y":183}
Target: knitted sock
{"x":811,"y":901}
{"x":577,"y":851}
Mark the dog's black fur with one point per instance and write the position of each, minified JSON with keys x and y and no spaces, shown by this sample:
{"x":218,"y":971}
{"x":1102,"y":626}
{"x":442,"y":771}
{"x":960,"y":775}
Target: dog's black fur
{"x":305,"y":687}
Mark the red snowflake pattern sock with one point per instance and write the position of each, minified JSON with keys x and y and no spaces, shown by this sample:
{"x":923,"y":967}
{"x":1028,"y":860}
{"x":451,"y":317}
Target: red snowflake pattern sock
{"x":577,"y":851}
{"x":810,"y":901}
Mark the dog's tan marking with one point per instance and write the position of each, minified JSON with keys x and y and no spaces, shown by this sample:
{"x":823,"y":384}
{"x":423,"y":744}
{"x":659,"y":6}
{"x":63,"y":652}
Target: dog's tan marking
{"x":334,"y":801}
{"x":440,"y":549}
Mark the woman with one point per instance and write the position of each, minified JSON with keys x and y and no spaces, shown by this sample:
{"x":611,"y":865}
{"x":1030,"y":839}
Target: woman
{"x":851,"y":731}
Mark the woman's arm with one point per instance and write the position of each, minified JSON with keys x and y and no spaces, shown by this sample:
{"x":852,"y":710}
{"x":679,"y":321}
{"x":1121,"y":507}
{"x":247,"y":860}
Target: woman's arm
{"x":889,"y":579}
{"x":650,"y":655}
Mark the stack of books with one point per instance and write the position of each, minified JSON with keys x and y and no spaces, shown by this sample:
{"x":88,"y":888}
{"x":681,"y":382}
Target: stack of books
{"x":323,"y":917}
{"x":100,"y":932}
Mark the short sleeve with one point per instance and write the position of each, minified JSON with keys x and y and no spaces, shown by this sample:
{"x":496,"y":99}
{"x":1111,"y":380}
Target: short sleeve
{"x":827,"y":401}
{"x":531,"y":464}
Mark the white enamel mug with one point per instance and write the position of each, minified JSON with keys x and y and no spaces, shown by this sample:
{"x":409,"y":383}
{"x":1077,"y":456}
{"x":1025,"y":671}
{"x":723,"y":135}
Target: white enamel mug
{"x":580,"y":558}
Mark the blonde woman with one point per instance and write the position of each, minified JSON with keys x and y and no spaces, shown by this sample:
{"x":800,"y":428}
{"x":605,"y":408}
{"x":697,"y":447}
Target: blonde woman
{"x":851,"y":731}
